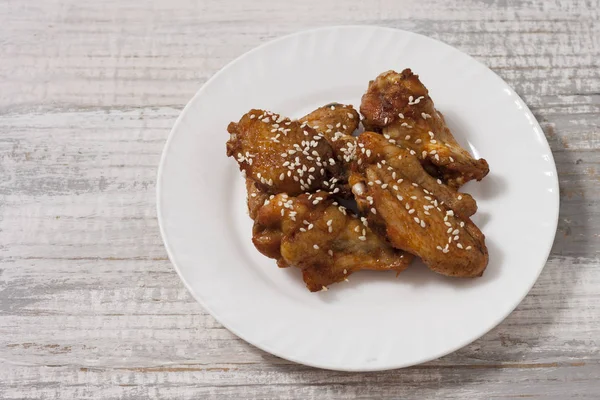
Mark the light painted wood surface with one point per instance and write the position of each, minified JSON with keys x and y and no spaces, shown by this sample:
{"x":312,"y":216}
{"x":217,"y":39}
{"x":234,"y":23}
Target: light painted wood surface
{"x":90,"y":307}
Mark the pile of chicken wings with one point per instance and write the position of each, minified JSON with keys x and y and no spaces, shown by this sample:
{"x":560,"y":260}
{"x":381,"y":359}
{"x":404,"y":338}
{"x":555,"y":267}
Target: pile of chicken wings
{"x":330,"y":201}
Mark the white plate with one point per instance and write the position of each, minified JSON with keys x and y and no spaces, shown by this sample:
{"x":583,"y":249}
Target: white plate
{"x":376,"y":321}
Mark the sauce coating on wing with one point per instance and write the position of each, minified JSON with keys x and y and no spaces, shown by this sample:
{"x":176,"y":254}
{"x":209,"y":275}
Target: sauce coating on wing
{"x":415,"y":212}
{"x":399,"y":106}
{"x":282,"y":155}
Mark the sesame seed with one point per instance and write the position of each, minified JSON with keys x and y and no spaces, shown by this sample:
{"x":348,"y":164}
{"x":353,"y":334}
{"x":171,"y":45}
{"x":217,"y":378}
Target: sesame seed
{"x":433,"y":141}
{"x":407,"y":206}
{"x":424,"y":154}
{"x":447,"y":223}
{"x":468,"y":248}
{"x":413,"y":197}
{"x":350,"y":115}
{"x":330,"y":252}
{"x":373,"y":210}
{"x":324,"y":289}
{"x":439,"y":181}
{"x":462,"y":224}
{"x":363,"y":238}
{"x":412,"y":210}
{"x":455,"y":232}
{"x":425,"y":115}
{"x":423,"y":224}
{"x":451,"y":159}
{"x":418,"y":141}
{"x":400,"y":115}
{"x":450,"y":212}
{"x":432,"y":152}
{"x":415,"y":184}
{"x":345,"y":271}
{"x":439,"y":248}
{"x":385,"y":120}
{"x":357,"y":228}
{"x":252,"y":116}
{"x":459,"y":197}
{"x":282,"y":176}
{"x":400,"y":198}
{"x":449,"y":230}
{"x":460,"y":246}
{"x":407,"y":137}
{"x":417,"y":220}
{"x":385,"y":185}
{"x":431,"y":134}
{"x":316,"y":246}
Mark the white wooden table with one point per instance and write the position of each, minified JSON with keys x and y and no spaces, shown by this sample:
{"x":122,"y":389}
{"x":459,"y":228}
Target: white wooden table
{"x":90,"y":307}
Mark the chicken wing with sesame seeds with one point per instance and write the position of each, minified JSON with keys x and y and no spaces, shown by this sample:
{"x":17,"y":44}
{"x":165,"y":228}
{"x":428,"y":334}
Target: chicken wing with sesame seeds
{"x":414,"y":212}
{"x":322,"y":238}
{"x":398,"y":105}
{"x":337,"y":122}
{"x":281,"y":155}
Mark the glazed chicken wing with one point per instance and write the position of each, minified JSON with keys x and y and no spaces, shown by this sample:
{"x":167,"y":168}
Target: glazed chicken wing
{"x":281,"y":155}
{"x":322,"y":238}
{"x":336,"y":122}
{"x":415,"y":212}
{"x":399,"y":106}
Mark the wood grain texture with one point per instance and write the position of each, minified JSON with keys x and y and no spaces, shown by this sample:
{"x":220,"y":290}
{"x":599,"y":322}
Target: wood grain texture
{"x":90,"y":307}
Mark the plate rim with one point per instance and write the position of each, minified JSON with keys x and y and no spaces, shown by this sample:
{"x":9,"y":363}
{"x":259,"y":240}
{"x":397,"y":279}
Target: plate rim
{"x":265,"y":347}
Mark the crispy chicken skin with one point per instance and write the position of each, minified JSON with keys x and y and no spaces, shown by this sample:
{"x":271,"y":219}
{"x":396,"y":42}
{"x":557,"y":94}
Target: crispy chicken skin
{"x":415,"y":213}
{"x":337,"y":122}
{"x":322,"y":238}
{"x":281,"y":155}
{"x":398,"y":105}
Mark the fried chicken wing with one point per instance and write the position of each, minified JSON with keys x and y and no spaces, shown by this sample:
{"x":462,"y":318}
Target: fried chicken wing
{"x":415,"y":212}
{"x":399,"y":106}
{"x":322,"y":238}
{"x":336,"y":122}
{"x":281,"y":155}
